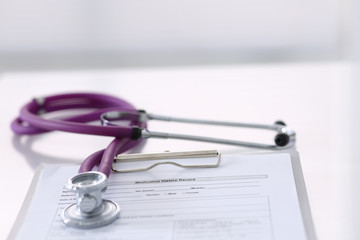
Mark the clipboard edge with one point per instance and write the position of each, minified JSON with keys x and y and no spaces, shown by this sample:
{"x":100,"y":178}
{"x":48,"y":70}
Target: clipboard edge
{"x":26,"y":203}
{"x":302,"y":195}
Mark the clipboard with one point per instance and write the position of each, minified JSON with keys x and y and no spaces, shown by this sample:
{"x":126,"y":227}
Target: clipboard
{"x":296,"y":171}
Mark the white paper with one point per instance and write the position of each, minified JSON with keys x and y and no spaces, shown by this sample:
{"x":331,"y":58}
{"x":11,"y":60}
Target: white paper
{"x":246,"y":197}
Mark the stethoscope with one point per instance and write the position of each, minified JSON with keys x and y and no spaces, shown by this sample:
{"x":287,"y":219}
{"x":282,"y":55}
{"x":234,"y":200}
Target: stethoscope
{"x":90,"y":210}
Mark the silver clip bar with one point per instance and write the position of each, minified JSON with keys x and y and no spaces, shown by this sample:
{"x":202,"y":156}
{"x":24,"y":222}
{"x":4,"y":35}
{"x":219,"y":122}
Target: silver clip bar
{"x":166,"y":155}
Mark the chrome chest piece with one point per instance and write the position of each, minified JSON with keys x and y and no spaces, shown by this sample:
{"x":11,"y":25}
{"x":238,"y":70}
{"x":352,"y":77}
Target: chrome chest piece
{"x":90,"y":210}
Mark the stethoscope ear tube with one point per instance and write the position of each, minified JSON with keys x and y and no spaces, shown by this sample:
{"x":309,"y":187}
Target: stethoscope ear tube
{"x":285,"y":137}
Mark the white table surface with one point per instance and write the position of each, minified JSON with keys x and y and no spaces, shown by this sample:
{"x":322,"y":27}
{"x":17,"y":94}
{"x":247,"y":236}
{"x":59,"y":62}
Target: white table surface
{"x":318,"y":100}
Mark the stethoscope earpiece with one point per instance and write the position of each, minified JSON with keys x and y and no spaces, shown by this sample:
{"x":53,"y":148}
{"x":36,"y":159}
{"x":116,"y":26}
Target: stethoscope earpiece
{"x":282,"y":139}
{"x":279,"y":122}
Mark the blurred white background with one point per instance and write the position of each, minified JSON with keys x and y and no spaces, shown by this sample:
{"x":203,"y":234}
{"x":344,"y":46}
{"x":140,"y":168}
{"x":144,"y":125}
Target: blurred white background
{"x":112,"y":33}
{"x":300,"y":49}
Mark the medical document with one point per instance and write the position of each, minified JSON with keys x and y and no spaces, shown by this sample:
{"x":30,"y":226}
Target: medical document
{"x":246,"y":197}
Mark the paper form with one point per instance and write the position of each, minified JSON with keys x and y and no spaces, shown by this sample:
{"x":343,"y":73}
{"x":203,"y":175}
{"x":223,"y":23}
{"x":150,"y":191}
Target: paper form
{"x":246,"y":197}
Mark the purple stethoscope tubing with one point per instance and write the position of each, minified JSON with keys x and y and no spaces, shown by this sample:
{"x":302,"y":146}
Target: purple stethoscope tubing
{"x":31,"y":122}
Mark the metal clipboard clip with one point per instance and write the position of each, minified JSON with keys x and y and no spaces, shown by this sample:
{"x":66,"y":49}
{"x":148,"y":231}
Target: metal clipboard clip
{"x":166,"y":155}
